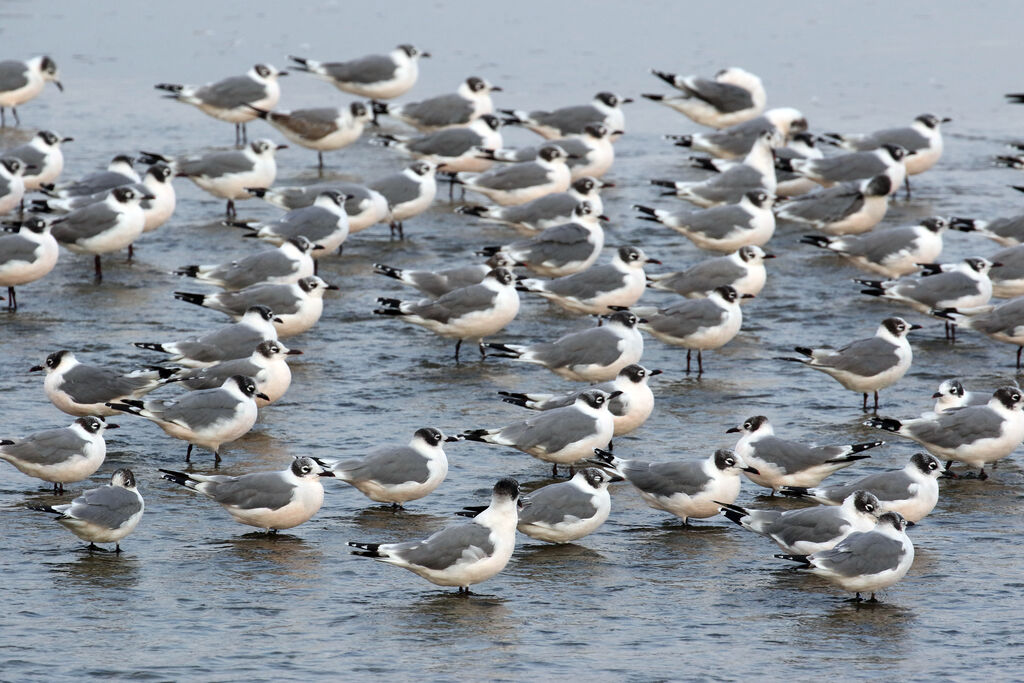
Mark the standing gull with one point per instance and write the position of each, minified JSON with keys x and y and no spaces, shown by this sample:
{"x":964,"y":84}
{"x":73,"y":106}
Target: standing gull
{"x":743,"y":270}
{"x":408,"y":193}
{"x":522,"y":182}
{"x":736,"y":141}
{"x":365,"y":207}
{"x":325,"y":223}
{"x":606,"y":108}
{"x":288,"y":263}
{"x":589,"y":153}
{"x":437,"y":283}
{"x":1002,"y":323}
{"x":733,"y":96}
{"x":26,"y":255}
{"x":60,"y":456}
{"x":22,"y":81}
{"x":378,"y":76}
{"x":103,"y":227}
{"x":267,"y":365}
{"x":452,"y":149}
{"x":323,"y":129}
{"x":544,"y":212}
{"x":224,"y":343}
{"x":893,"y":252}
{"x":105,"y":514}
{"x":723,"y":228}
{"x":845,"y":209}
{"x":470,"y":101}
{"x":42,"y":157}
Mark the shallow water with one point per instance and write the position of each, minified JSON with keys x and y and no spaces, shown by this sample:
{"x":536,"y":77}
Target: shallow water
{"x":196,"y":596}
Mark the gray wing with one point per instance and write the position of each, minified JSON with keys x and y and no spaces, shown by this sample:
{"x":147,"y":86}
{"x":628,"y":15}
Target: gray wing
{"x":84,"y":223}
{"x":569,"y":120}
{"x":444,"y":110}
{"x":456,"y":304}
{"x":226,"y":343}
{"x":13,"y":75}
{"x":197,"y":411}
{"x":880,"y":245}
{"x":885,"y":485}
{"x":89,"y":384}
{"x":715,"y":223}
{"x":1012,"y":264}
{"x":737,"y":140}
{"x":254,"y":269}
{"x":310,"y":222}
{"x":387,"y":466}
{"x":730,"y":186}
{"x":724,"y":97}
{"x":666,"y":478}
{"x":444,"y":281}
{"x":905,"y":137}
{"x":17,"y":248}
{"x":958,"y":426}
{"x":450,"y":142}
{"x":587,"y":284}
{"x":597,"y":345}
{"x":50,"y":447}
{"x":791,"y":456}
{"x":686,"y":317}
{"x":553,"y":504}
{"x":864,"y":357}
{"x":250,"y":491}
{"x":549,"y":206}
{"x":214,"y":376}
{"x":937,"y":288}
{"x":812,"y":525}
{"x":232,"y":92}
{"x":1008,"y":228}
{"x":550,"y":430}
{"x":216,"y":165}
{"x":311,"y":124}
{"x":97,"y":183}
{"x":861,"y":554}
{"x":558,"y":245}
{"x":1005,"y":317}
{"x":32,"y":156}
{"x":703,"y":277}
{"x":107,"y":506}
{"x":281,"y":299}
{"x":848,"y":167}
{"x":397,"y":189}
{"x":827,"y":206}
{"x":527,"y":174}
{"x":370,"y":69}
{"x":445,"y":548}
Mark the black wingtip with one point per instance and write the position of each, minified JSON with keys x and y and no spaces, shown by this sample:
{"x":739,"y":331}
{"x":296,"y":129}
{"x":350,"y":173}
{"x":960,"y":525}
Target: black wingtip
{"x":802,"y":559}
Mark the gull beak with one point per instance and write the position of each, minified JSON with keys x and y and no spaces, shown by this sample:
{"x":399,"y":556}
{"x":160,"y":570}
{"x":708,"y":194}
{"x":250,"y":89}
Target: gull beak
{"x":329,"y":286}
{"x":619,"y":132}
{"x":643,"y":320}
{"x":282,"y":147}
{"x":282,"y":73}
{"x":276,"y":319}
{"x":326,"y":473}
{"x":614,"y":477}
{"x":262,"y":395}
{"x":916,"y":327}
{"x":604,"y":218}
{"x":946,"y":120}
{"x":614,"y":394}
{"x":937,"y":394}
{"x":67,"y":139}
{"x":60,"y":86}
{"x":768,"y":256}
{"x":318,"y":247}
{"x":604,"y":183}
{"x":747,"y":296}
{"x":35,"y":368}
{"x":293,"y":352}
{"x":732,"y":430}
{"x":997,"y":264}
{"x":652,"y":373}
{"x":496,"y":88}
{"x":627,"y":100}
{"x":111,"y":425}
{"x":425,"y":54}
{"x":751,"y":470}
{"x":653,"y":260}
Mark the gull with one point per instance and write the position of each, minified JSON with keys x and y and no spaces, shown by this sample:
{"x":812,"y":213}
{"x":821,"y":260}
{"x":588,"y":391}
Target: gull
{"x":723,"y":228}
{"x":206,"y":418}
{"x":470,"y":101}
{"x":471,"y":312}
{"x":560,"y":436}
{"x":453,"y":149}
{"x":408,"y":193}
{"x":266,"y":364}
{"x":299,"y":305}
{"x":224,"y":343}
{"x":975,"y":435}
{"x":365,"y":207}
{"x":911,"y":491}
{"x":810,"y":530}
{"x":79,"y":389}
{"x":60,"y":456}
{"x":606,"y":108}
{"x":545,"y":212}
{"x":781,"y":462}
{"x":120,"y":171}
{"x":437,"y":283}
{"x":865,"y":365}
{"x":324,"y":129}
{"x":893,"y":252}
{"x":865,"y":561}
{"x":229,"y":174}
{"x":396,"y":474}
{"x":103,"y":227}
{"x":26,"y":255}
{"x":743,"y":270}
{"x":691,"y":489}
{"x":756,"y":172}
{"x":951,"y":394}
{"x":790,"y":183}
{"x":232,"y":99}
{"x":288,"y":263}
{"x":701,"y":324}
{"x":267,"y":500}
{"x":1002,"y":323}
{"x":105,"y":514}
{"x":522,"y":182}
{"x":325,"y":223}
{"x":12,"y":184}
{"x":733,"y":96}
{"x":589,"y":153}
{"x":887,"y":160}
{"x":566,"y":511}
{"x":42,"y":157}
{"x":561,"y":250}
{"x":460,"y":555}
{"x":595,"y":290}
{"x":735,"y":142}
{"x":630,"y":408}
{"x":381,"y":77}
{"x":845,"y":209}
{"x":1007,"y":231}
{"x":592,"y":355}
{"x":21,"y":81}
{"x":1007,"y":277}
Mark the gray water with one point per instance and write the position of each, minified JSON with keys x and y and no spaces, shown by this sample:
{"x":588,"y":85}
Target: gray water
{"x":196,"y":596}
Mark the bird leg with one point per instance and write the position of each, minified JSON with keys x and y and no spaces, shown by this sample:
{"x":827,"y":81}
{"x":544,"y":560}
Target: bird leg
{"x":611,"y":446}
{"x":856,"y":597}
{"x":117,"y":548}
{"x":700,"y":363}
{"x":231,"y":213}
{"x":873,"y":598}
{"x":12,"y":305}
{"x":98,"y":268}
{"x":876,"y":401}
{"x":320,"y":163}
{"x":906,"y":182}
{"x":458,"y":345}
{"x":216,"y":458}
{"x":865,"y":408}
{"x":3,"y":117}
{"x":688,"y":351}
{"x":188,"y":454}
{"x":554,"y":470}
{"x":483,"y":350}
{"x":131,"y":252}
{"x":1019,"y":349}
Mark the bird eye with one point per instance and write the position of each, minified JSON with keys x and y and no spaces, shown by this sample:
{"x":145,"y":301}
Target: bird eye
{"x":869,"y":507}
{"x":730,"y":462}
{"x":747,"y":425}
{"x":1016,"y":397}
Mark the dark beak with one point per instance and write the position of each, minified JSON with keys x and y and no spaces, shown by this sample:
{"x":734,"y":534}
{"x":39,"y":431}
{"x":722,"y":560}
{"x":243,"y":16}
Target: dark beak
{"x":276,"y":319}
{"x":619,"y":132}
{"x":35,"y":368}
{"x":652,"y":373}
{"x":496,"y":88}
{"x":604,"y":183}
{"x":747,"y":296}
{"x":752,"y":470}
{"x":937,"y":394}
{"x":769,"y":256}
{"x":732,"y":430}
{"x":604,"y":218}
{"x":653,"y":260}
{"x":614,"y":477}
{"x":327,"y":473}
{"x":450,"y":439}
{"x":111,"y":425}
{"x":262,"y":395}
{"x":333,"y":287}
{"x":643,"y":320}
{"x":60,"y":86}
{"x":614,"y":394}
{"x":67,"y":140}
{"x":282,"y":146}
{"x":627,"y":100}
{"x":293,"y":352}
{"x":916,"y":327}
{"x":946,"y":120}
{"x":318,"y":247}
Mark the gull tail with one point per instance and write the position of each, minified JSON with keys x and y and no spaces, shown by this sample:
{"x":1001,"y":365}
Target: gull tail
{"x":45,"y":508}
{"x":669,"y":78}
{"x":681,"y":140}
{"x":130,"y":405}
{"x":382,"y":269}
{"x":262,"y":113}
{"x":706,"y":163}
{"x":520,"y":400}
{"x":366,"y":549}
{"x":653,"y":97}
{"x":191,"y":298}
{"x":888,"y":424}
{"x":503,"y":350}
{"x":795,"y":491}
{"x":734,"y":513}
{"x":153,"y":158}
{"x":816,"y":240}
{"x":178,"y":478}
{"x":301,"y":63}
{"x":471,"y":510}
{"x":379,"y":107}
{"x":152,"y":346}
{"x":391,"y":307}
{"x":802,"y":559}
{"x":859,"y":447}
{"x":260,"y":192}
{"x":472,"y":210}
{"x":188,"y":271}
{"x":481,"y":435}
{"x":170,"y":87}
